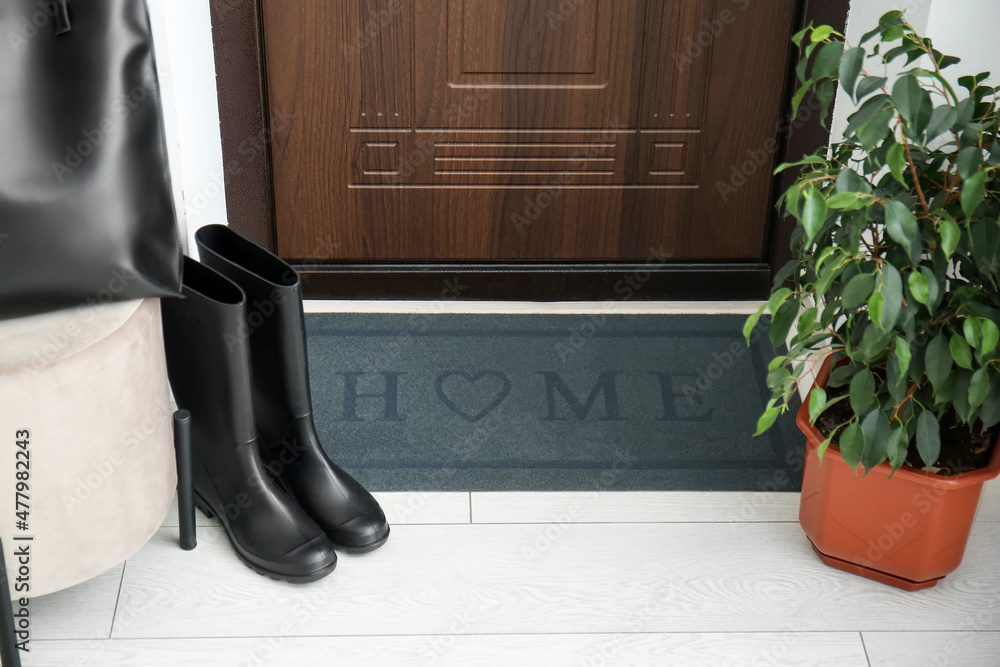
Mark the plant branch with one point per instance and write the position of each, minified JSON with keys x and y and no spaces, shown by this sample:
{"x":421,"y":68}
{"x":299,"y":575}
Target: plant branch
{"x":899,"y":408}
{"x":913,"y":168}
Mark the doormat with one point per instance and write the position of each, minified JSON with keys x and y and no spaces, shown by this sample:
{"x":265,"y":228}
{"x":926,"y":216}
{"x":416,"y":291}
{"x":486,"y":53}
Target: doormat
{"x":420,"y":402}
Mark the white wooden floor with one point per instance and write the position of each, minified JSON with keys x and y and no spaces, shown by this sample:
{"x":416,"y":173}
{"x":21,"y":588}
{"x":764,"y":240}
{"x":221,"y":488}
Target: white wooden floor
{"x":521,"y":579}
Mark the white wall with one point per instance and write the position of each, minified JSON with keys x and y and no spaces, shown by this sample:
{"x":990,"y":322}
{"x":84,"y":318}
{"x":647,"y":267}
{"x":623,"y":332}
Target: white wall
{"x":974,"y":40}
{"x":946,"y":22}
{"x":182,"y":34}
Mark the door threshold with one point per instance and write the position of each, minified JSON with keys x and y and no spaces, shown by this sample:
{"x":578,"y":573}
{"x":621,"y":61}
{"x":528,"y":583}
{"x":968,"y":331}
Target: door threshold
{"x":534,"y":308}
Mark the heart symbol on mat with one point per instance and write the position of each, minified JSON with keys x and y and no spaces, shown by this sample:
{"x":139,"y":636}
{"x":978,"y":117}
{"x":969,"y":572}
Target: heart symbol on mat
{"x":473,"y":392}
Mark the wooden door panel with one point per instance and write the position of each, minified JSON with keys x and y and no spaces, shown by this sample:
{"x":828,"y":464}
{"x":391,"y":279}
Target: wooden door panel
{"x":522,"y":129}
{"x":674,"y":90}
{"x":546,"y":42}
{"x":535,"y":65}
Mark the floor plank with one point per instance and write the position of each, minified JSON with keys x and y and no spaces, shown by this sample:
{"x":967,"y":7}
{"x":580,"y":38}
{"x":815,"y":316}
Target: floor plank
{"x":935,"y":649}
{"x":676,"y":650}
{"x":84,"y":611}
{"x":400,"y":507}
{"x":424,"y":507}
{"x":608,"y":578}
{"x":633,"y":507}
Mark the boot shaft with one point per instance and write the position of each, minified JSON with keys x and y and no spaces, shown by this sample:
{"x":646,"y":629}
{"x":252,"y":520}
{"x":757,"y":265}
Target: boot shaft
{"x":208,"y":359}
{"x":275,"y":322}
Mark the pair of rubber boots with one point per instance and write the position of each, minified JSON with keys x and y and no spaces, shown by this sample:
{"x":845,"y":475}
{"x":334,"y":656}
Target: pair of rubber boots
{"x":236,"y":358}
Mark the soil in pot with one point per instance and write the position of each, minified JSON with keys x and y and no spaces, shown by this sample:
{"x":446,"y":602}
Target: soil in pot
{"x":962,"y":448}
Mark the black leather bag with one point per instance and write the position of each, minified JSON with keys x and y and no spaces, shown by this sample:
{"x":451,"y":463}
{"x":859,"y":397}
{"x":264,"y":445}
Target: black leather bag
{"x":86,"y":207}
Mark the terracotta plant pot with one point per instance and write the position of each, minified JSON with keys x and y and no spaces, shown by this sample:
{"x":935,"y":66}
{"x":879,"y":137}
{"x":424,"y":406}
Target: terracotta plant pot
{"x":909,"y":531}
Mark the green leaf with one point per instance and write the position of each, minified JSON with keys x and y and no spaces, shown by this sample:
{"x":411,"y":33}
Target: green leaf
{"x":807,"y":320}
{"x":990,"y":412}
{"x":899,"y":443}
{"x":973,"y":331}
{"x":875,"y":303}
{"x":778,"y":297}
{"x":862,"y":392}
{"x":950,"y":236}
{"x":867,"y":37}
{"x":827,"y":60}
{"x":846,"y":201}
{"x":817,"y":403}
{"x":876,"y":428}
{"x":964,"y":112}
{"x":891,"y":289}
{"x":857,"y":290}
{"x":991,"y":336}
{"x":903,"y":354}
{"x":918,"y":286}
{"x":892,"y":34}
{"x":848,"y":180}
{"x":969,"y":161}
{"x":821,"y":32}
{"x":809,"y":159}
{"x":800,"y":95}
{"x":937,"y":360}
{"x":785,"y":272}
{"x":960,"y":351}
{"x":874,"y":345}
{"x":913,"y":102}
{"x":797,"y":37}
{"x":928,"y":438}
{"x":876,"y":129}
{"x":751,"y":322}
{"x":985,"y":245}
{"x":776,"y":378}
{"x":814,"y":213}
{"x":933,"y":288}
{"x":827,"y":276}
{"x":869,"y":85}
{"x":973,"y":192}
{"x":896,"y":158}
{"x":942,"y":119}
{"x":793,"y":201}
{"x":979,"y":388}
{"x":946,"y":392}
{"x":895,"y":379}
{"x":824,"y":446}
{"x":852,"y":444}
{"x":850,"y":68}
{"x":767,"y":420}
{"x":781,"y":323}
{"x":901,"y":224}
{"x":944,"y":62}
{"x":840,"y":375}
{"x":960,"y":394}
{"x":868,"y":109}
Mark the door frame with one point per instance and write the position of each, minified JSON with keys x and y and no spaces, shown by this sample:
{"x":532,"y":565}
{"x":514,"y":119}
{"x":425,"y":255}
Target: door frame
{"x":237,"y":30}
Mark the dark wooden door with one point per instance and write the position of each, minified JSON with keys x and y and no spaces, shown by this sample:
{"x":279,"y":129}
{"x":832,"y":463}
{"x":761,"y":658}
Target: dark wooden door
{"x":499,"y":130}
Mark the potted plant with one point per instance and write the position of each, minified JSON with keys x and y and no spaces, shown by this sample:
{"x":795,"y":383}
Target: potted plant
{"x":895,"y":283}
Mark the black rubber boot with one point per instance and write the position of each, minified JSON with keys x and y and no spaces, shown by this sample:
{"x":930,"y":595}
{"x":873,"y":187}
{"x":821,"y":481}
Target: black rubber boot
{"x":208,"y":363}
{"x":282,"y":404}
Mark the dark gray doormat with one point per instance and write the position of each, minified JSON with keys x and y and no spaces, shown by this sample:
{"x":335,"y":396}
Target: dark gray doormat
{"x":548,"y":403}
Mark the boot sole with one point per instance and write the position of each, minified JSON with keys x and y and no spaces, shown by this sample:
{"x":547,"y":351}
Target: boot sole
{"x":211,"y":513}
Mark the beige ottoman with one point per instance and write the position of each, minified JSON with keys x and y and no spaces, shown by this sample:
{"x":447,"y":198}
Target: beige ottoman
{"x":85,"y":423}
